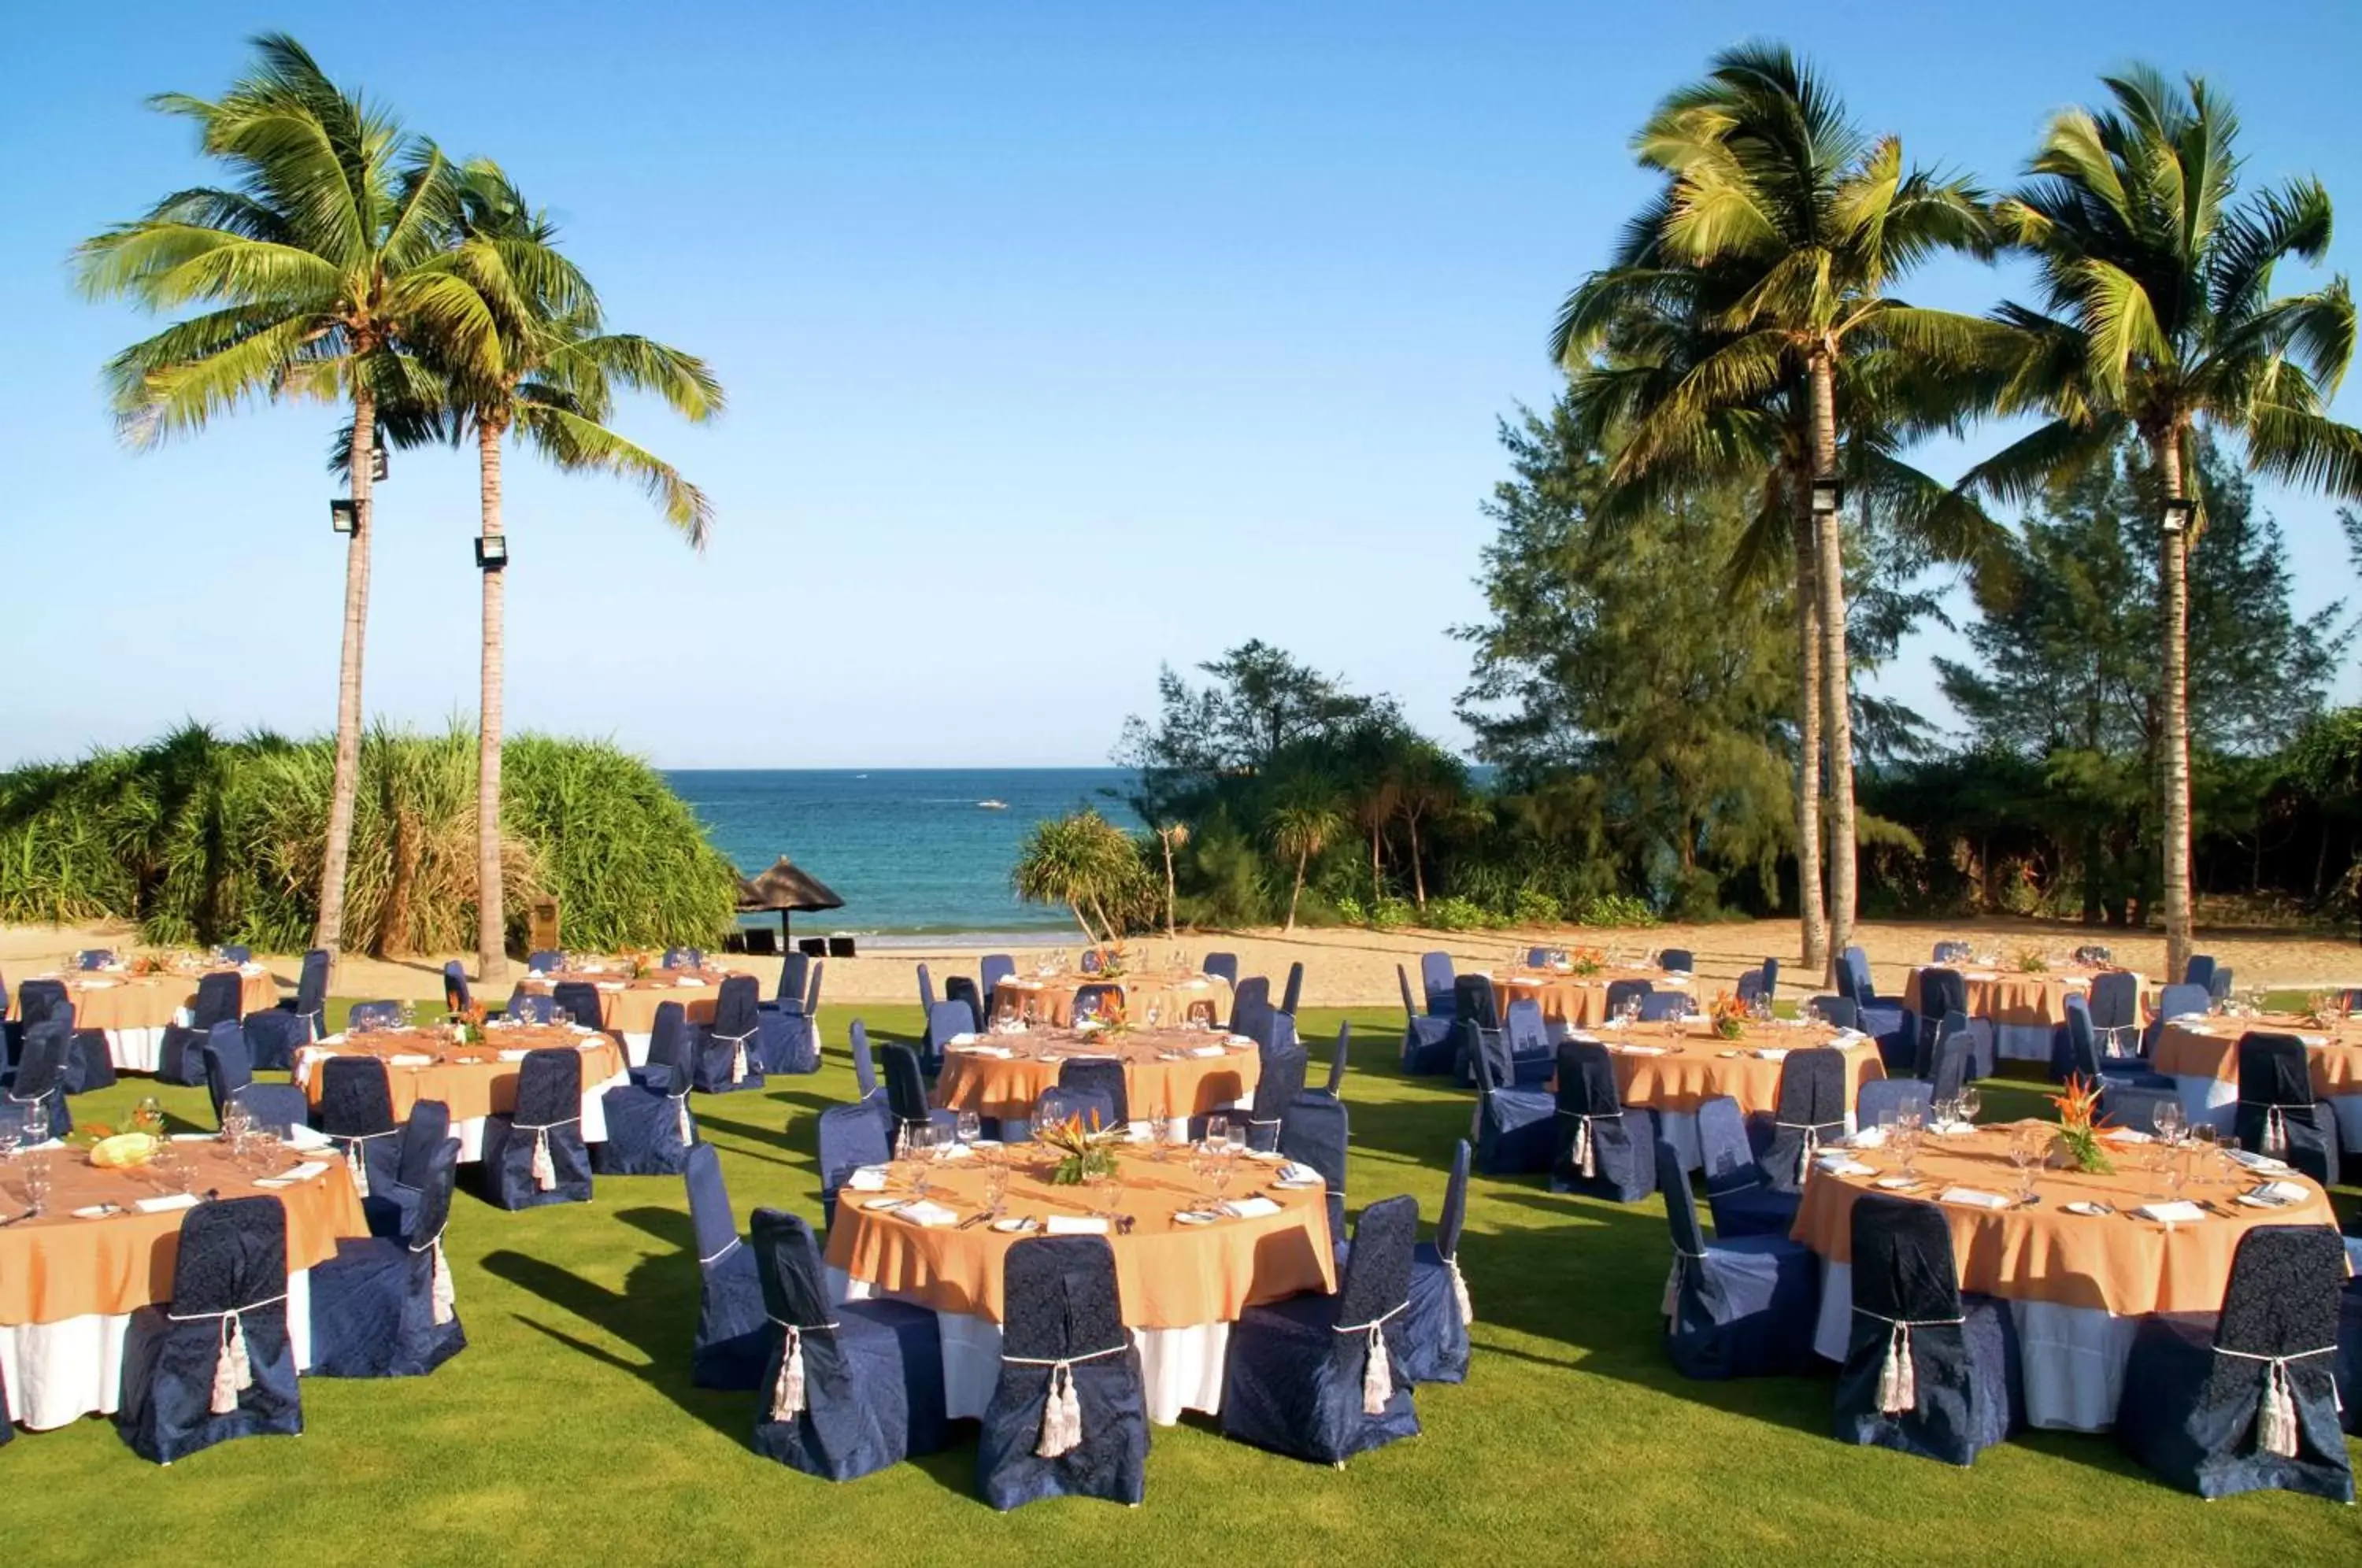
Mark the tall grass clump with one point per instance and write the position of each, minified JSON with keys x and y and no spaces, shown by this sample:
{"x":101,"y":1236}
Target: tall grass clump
{"x":195,"y":838}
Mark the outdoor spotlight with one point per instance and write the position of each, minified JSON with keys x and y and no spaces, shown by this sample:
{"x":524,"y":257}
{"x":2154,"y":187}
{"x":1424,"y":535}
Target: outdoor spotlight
{"x":493,"y":552}
{"x":340,"y":516}
{"x":2177,"y":516}
{"x":377,"y":462}
{"x":1828,"y":495}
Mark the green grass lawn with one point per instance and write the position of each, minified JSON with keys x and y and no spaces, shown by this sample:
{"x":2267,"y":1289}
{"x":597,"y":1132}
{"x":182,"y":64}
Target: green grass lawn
{"x":569,"y":1430}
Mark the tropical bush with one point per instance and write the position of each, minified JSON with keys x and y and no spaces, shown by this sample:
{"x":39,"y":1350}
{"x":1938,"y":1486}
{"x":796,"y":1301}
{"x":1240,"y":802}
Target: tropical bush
{"x":197,"y":839}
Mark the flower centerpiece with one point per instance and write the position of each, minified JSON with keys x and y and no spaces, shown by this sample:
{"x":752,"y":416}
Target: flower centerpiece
{"x":2079,"y":1126}
{"x":1108,"y":1019}
{"x":467,"y":1025}
{"x":1113,"y":959}
{"x":1082,"y":1152}
{"x":1729,"y":1016}
{"x":2032,"y":961}
{"x":1585,"y":962}
{"x":139,"y":1143}
{"x":141,"y":966}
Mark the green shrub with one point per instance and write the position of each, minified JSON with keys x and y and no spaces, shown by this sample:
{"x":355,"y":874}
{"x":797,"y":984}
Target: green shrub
{"x":1390,"y":913}
{"x":1614,"y":910}
{"x":1456,"y":914}
{"x":1531,"y":906}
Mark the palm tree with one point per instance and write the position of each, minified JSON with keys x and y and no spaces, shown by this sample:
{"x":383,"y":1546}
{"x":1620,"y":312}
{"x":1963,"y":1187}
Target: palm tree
{"x":1083,"y":861}
{"x":327,"y":259}
{"x":1300,"y":828}
{"x":1749,"y":285}
{"x":554,"y":387}
{"x":2157,"y":318}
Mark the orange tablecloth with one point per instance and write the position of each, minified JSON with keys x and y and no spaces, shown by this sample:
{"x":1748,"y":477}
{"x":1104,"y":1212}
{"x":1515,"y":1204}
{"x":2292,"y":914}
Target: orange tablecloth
{"x":628,"y":1005}
{"x":118,"y":1000}
{"x":58,"y":1268}
{"x":1579,"y":1001}
{"x":470,"y":1079}
{"x":1169,"y":1275}
{"x":1171,"y":995}
{"x":2026,"y":1001}
{"x":1703,"y":1065}
{"x":1154,"y":1078}
{"x":2210,"y":1049}
{"x":2125,"y":1266}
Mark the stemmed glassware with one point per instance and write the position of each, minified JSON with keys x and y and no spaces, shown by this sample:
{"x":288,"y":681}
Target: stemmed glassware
{"x":2026,"y":1146}
{"x":968,"y":1128}
{"x":37,"y":1185}
{"x":1904,"y":1133}
{"x":2169,"y":1120}
{"x":922,"y":1146}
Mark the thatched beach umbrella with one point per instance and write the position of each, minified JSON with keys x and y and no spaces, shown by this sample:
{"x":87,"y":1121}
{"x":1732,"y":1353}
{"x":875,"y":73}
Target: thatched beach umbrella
{"x":786,"y":888}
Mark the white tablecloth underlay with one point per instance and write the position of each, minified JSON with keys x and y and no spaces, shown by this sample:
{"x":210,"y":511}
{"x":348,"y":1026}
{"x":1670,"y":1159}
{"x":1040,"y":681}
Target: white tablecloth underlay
{"x":1182,"y":1368}
{"x":138,"y":1049}
{"x":60,"y":1372}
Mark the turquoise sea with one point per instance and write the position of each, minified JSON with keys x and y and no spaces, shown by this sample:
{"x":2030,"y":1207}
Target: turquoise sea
{"x":913,"y":852}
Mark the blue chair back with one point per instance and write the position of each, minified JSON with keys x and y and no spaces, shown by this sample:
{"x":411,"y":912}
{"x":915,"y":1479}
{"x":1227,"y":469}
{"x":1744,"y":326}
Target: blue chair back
{"x":1727,"y":1158}
{"x":1101,"y":1079}
{"x":1436,"y":978}
{"x":1751,"y":985}
{"x":229,"y":1067}
{"x":669,"y":1044}
{"x":1317,"y":1130}
{"x":1770,"y":977}
{"x":1839,"y":1012}
{"x":906,"y":1085}
{"x":995,"y":969}
{"x":457,"y":997}
{"x":1681,"y":1205}
{"x":2218,"y":987}
{"x":2185,"y":1000}
{"x":1410,"y":1003}
{"x":795,"y":974}
{"x":737,"y":1007}
{"x":2199,"y":972}
{"x":423,"y":1137}
{"x":1472,"y":1001}
{"x":850,"y":1136}
{"x":683,"y":958}
{"x":219,"y":999}
{"x":374,"y":1014}
{"x":865,"y":1069}
{"x":1857,"y":967}
{"x":1223,"y":966}
{"x":1092,"y":963}
{"x":355,"y":1099}
{"x":1955,"y":1059}
{"x":2114,"y":1004}
{"x":1337,"y":1057}
{"x":1586,"y":1079}
{"x":1377,"y":1276}
{"x":311,"y":985}
{"x":1455,"y":1204}
{"x":580,"y":999}
{"x":812,"y":990}
{"x":530,"y":1007}
{"x":1294,"y":992}
{"x":39,"y":1000}
{"x":1677,"y":961}
{"x":710,"y":1215}
{"x":1528,"y":1031}
{"x":237,"y":953}
{"x":1658,"y":1006}
{"x":1951,"y":952}
{"x":1621,"y":991}
{"x":1538,"y":957}
{"x":926,"y":989}
{"x":545,"y":961}
{"x":1881,"y":1099}
{"x":1060,"y":1103}
{"x":2083,"y":1043}
{"x":93,"y":958}
{"x":549,"y":1088}
{"x":967,"y":993}
{"x":948,"y":1019}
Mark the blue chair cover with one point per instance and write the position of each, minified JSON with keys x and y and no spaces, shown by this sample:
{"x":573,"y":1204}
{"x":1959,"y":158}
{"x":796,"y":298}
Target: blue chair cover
{"x":37,"y":1091}
{"x":1338,"y":1059}
{"x":1250,"y":1000}
{"x":1532,"y":1055}
{"x":1941,"y":993}
{"x":1070,"y":1382}
{"x":1603,"y":1150}
{"x":1316,"y":1131}
{"x":1537,"y":957}
{"x":926,"y":991}
{"x":2349,"y":1339}
{"x":1954,"y":1064}
{"x":1435,"y":1327}
{"x":1102,"y":1078}
{"x":1106,"y":997}
{"x":684,"y":958}
{"x":649,"y":1128}
{"x":1954,"y":952}
{"x":381,"y":1307}
{"x":1516,"y":1128}
{"x":948,"y":1020}
{"x":1658,"y":1006}
{"x":1677,"y":961}
{"x":357,"y":1110}
{"x":2200,"y":973}
{"x":229,"y":1076}
{"x":1743,"y":1203}
{"x":1735,"y":1307}
{"x":960,"y":989}
{"x":1838,"y":1012}
{"x":2197,"y":1385}
{"x":2115,"y":1014}
{"x":1877,"y":1017}
{"x":1959,"y":1351}
{"x":671,"y":1066}
{"x":1750,"y":986}
{"x":235,"y":952}
{"x":393,"y":1206}
{"x":1314,"y":1376}
{"x":2276,"y":1112}
{"x":1770,"y":977}
{"x":2218,"y":987}
{"x":733,"y":1338}
{"x":1092,"y":963}
{"x":906,"y":1092}
{"x":1621,"y":991}
{"x":1223,"y":966}
{"x":1293,"y":992}
{"x":530,"y":1007}
{"x":229,"y":1288}
{"x":995,"y":969}
{"x":579,"y":1000}
{"x":456,"y":996}
{"x":1881,"y":1099}
{"x":845,"y":1390}
{"x":865,"y":1067}
{"x":549,"y":1116}
{"x":83,"y":1063}
{"x":795,"y":974}
{"x":2077,"y":1053}
{"x":2173,"y":1002}
{"x":546,"y":960}
{"x":850,"y":1136}
{"x":787,"y":1042}
{"x":1809,"y":1112}
{"x":729,"y":1049}
{"x":93,"y":958}
{"x":1477,"y":1014}
{"x":312,"y":990}
{"x":380,"y":1014}
{"x":180,"y":1059}
{"x":1437,"y":979}
{"x":1059,"y":1103}
{"x":1430,"y":1041}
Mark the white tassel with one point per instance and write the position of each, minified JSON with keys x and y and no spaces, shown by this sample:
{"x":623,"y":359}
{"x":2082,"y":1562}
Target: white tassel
{"x":358,"y":1167}
{"x":1062,"y":1415}
{"x":445,"y":1298}
{"x":1805,"y":1153}
{"x":1377,"y":1375}
{"x":788,"y":1393}
{"x":1585,"y":1160}
{"x":688,"y":1132}
{"x":1459,"y":1291}
{"x":233,"y":1370}
{"x":1898,"y":1380}
{"x":545,"y":1169}
{"x":2276,"y":1139}
{"x":738,"y":1062}
{"x":2275,"y":1426}
{"x":1672,"y":1288}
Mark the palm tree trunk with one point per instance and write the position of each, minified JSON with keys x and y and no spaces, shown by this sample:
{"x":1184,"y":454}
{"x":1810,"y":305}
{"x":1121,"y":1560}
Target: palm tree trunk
{"x":2173,"y":600}
{"x":1296,"y":896}
{"x":1166,"y":838}
{"x":1837,"y":713}
{"x":491,"y":917}
{"x":1811,"y":903}
{"x":345,"y":786}
{"x":1418,"y":872}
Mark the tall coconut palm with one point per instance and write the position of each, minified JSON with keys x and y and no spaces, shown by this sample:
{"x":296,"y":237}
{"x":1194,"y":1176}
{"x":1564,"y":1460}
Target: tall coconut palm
{"x":2156,"y":317}
{"x":327,"y":258}
{"x":1779,"y":231}
{"x":554,"y":387}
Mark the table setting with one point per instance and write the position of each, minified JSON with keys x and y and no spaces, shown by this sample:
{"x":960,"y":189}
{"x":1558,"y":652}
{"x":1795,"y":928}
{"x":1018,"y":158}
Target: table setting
{"x":2201,"y":1053}
{"x":1572,"y":987}
{"x":631,"y":989}
{"x":471,"y":1068}
{"x":2022,"y":995}
{"x":1154,"y":995}
{"x":133,"y":1001}
{"x":1171,"y":1072}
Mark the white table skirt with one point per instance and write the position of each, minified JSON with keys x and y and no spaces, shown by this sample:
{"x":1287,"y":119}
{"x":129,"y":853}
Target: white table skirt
{"x":137,"y":1050}
{"x":470,"y":1132}
{"x":635,"y":1047}
{"x":62,"y":1372}
{"x":1182,"y":1368}
{"x":2073,"y":1357}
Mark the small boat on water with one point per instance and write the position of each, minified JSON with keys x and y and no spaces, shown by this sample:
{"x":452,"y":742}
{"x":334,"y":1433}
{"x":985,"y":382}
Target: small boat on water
{"x":992,"y":805}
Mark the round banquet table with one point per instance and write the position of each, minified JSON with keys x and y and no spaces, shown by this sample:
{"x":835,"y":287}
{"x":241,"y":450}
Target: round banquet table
{"x":2077,"y":1285}
{"x":474,"y":1081}
{"x":1578,"y":1002}
{"x":134,"y":1010}
{"x":1181,"y":1285}
{"x":69,"y":1285}
{"x":2025,"y":1011}
{"x":2201,"y":1056}
{"x":1171,"y":994}
{"x":1673,"y":1068}
{"x":628,"y":1002}
{"x":1183,"y":1072}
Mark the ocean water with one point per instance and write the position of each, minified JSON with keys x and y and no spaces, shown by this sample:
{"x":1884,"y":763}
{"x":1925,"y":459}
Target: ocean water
{"x":909,"y":850}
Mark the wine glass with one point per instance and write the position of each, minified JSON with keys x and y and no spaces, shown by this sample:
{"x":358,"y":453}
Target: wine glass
{"x":922,"y":1156}
{"x":1969,"y":1103}
{"x":1908,"y":1120}
{"x":37,"y":1185}
{"x":968,"y":1128}
{"x":2169,"y":1120}
{"x":2025,"y":1148}
{"x":37,"y":1122}
{"x":1218,"y":1131}
{"x":2204,"y":1149}
{"x":1234,"y":1143}
{"x":996,"y":1186}
{"x":1106,"y":1194}
{"x":12,"y":1136}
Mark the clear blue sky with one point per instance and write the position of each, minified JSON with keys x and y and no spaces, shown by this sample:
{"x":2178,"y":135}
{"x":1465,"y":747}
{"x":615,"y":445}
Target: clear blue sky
{"x":1060,"y":341}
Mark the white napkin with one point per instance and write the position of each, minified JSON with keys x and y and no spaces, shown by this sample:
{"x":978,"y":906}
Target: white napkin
{"x":1639,"y":1050}
{"x":1843,"y":1038}
{"x":1209,"y":1050}
{"x":1868,"y":1138}
{"x":1842,"y":1165}
{"x":1770,"y":1053}
{"x":168,"y":1201}
{"x":97,"y":1211}
{"x":1076,"y":1225}
{"x":1980,"y":974}
{"x":954,"y":1152}
{"x":689,"y":982}
{"x":1252,"y":1207}
{"x":998,"y":1053}
{"x":962,"y":1039}
{"x":867,"y":1178}
{"x":195,"y":1138}
{"x":98,"y":985}
{"x":300,"y":1137}
{"x":1293,"y":1175}
{"x":2178,"y":1213}
{"x":2127,"y":1135}
{"x":303,"y":1172}
{"x":2279,"y":1192}
{"x":608,"y":984}
{"x":2315,"y":1041}
{"x":926,"y":1212}
{"x":513,"y":1056}
{"x":1973,"y":1197}
{"x":407,"y":1060}
{"x":2255,"y":1162}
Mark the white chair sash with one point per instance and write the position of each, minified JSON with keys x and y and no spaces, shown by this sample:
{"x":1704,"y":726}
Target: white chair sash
{"x":544,"y":1168}
{"x":1898,"y":1379}
{"x":233,"y":1369}
{"x":2275,"y":1428}
{"x":1061,"y":1412}
{"x":738,"y":1052}
{"x":355,"y":1161}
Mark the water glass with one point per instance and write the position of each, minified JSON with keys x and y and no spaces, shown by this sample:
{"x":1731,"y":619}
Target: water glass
{"x":2168,"y":1121}
{"x":36,"y":1184}
{"x":37,"y":1122}
{"x":1968,"y":1104}
{"x":969,"y":1127}
{"x":1218,"y":1131}
{"x":996,"y":1186}
{"x":12,"y":1137}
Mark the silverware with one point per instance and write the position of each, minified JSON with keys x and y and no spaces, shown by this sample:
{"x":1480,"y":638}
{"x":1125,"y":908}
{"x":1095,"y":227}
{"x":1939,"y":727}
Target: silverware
{"x":12,"y":1218}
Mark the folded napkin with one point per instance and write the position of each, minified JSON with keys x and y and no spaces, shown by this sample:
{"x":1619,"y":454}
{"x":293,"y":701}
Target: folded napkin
{"x":1209,"y":1050}
{"x":166,"y":1203}
{"x":1252,"y":1207}
{"x":927,"y":1212}
{"x":1076,"y":1225}
{"x":1840,"y":1164}
{"x":1951,"y":1128}
{"x":954,"y":1152}
{"x":95,"y":985}
{"x":1868,"y":1138}
{"x":513,"y":1056}
{"x":689,"y":982}
{"x":195,"y":1138}
{"x":2182,"y":1017}
{"x":1293,"y":1175}
{"x":300,"y":1137}
{"x":2127,"y":1135}
{"x":1896,"y":1183}
{"x":2087,"y":1208}
{"x":998,"y":1053}
{"x":1980,"y":974}
{"x":1639,"y":1050}
{"x":409,"y":1060}
{"x":965,"y":1039}
{"x":2178,"y":1213}
{"x":2277,"y":1192}
{"x":2255,"y":1162}
{"x":303,"y":1172}
{"x":1770,"y":1053}
{"x":610,"y":985}
{"x":1845,"y":1037}
{"x":97,"y":1211}
{"x":867,"y":1178}
{"x":2316,"y":1041}
{"x":1973,"y":1197}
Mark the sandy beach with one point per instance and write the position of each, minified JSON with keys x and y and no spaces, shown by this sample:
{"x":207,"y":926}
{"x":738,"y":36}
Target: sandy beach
{"x":1350,"y":968}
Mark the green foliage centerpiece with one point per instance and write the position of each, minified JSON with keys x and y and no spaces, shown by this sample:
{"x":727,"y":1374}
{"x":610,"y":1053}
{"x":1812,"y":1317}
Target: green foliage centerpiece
{"x":1084,"y":1150}
{"x":2079,"y":1126}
